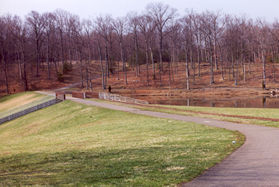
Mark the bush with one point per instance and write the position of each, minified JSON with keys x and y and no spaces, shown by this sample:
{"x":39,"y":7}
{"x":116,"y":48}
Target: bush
{"x":60,"y":77}
{"x":263,"y":85}
{"x":67,"y":67}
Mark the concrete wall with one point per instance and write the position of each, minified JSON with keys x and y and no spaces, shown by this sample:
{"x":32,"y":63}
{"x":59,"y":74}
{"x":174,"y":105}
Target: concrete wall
{"x":119,"y":98}
{"x":29,"y":110}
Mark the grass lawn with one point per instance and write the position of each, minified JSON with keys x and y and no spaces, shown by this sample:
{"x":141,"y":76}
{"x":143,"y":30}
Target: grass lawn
{"x":254,"y":112}
{"x":75,"y":144}
{"x":251,"y":112}
{"x":20,"y":101}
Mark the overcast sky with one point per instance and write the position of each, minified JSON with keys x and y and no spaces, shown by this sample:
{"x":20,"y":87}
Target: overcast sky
{"x":267,"y":9}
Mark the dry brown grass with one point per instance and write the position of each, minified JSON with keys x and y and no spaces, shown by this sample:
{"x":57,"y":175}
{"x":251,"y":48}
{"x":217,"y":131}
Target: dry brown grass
{"x":19,"y":101}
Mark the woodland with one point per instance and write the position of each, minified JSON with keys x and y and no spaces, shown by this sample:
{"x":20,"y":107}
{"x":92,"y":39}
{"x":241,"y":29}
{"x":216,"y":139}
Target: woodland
{"x":154,"y":43}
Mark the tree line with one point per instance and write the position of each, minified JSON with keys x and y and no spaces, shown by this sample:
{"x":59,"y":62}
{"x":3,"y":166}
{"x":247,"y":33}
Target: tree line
{"x":154,"y":41}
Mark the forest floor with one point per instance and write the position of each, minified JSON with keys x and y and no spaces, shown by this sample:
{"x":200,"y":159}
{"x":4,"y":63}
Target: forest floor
{"x":177,"y":81}
{"x":173,"y":83}
{"x":16,"y":85}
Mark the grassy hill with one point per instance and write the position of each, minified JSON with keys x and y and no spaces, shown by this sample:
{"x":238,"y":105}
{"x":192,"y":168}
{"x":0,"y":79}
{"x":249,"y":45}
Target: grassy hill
{"x":255,"y":116}
{"x":71,"y":144}
{"x":20,"y":101}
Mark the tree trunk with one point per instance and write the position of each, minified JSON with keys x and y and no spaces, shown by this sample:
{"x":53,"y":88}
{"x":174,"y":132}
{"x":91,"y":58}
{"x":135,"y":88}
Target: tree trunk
{"x":81,"y":69}
{"x":25,"y":78}
{"x":161,"y":68}
{"x":146,"y":59}
{"x":236,"y":73}
{"x":124,"y":63}
{"x":107,"y":63}
{"x":102,"y":67}
{"x":215,"y":55}
{"x":87,"y":77}
{"x":264,"y":72}
{"x":19,"y":65}
{"x":244,"y":72}
{"x":137,"y":51}
{"x":211,"y":70}
{"x":153,"y":65}
{"x":187,"y":72}
{"x":47,"y":58}
{"x":274,"y":72}
{"x":6,"y":74}
{"x":37,"y":57}
{"x":193,"y":66}
{"x":199,"y":61}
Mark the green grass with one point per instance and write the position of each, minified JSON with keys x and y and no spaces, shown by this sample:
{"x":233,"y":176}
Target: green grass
{"x":254,"y":112}
{"x":74,"y":144}
{"x":251,"y":112}
{"x":20,"y":101}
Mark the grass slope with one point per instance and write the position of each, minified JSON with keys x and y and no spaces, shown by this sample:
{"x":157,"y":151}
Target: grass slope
{"x":20,"y":101}
{"x":74,"y":144}
{"x":251,"y":112}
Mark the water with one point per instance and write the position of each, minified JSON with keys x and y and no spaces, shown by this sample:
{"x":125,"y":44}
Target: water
{"x":239,"y":102}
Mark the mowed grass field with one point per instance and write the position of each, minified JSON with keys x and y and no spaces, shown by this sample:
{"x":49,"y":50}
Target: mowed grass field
{"x":272,"y":113}
{"x":20,"y":101}
{"x":75,"y":144}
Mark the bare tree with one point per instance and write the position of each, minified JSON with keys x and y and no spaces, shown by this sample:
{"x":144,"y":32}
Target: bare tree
{"x":263,"y":32}
{"x":119,"y":26}
{"x":211,"y":29}
{"x":161,"y":15}
{"x":37,"y":24}
{"x":147,"y":28}
{"x":174,"y":39}
{"x":4,"y":37}
{"x":133,"y":19}
{"x":187,"y":33}
{"x":19,"y":30}
{"x":104,"y":29}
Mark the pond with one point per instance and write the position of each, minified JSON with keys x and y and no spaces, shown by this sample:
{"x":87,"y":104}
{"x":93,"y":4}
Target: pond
{"x":239,"y":102}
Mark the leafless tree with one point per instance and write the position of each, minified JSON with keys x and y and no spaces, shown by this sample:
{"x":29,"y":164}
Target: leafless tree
{"x":147,"y":28}
{"x":120,"y":27}
{"x":161,"y":14}
{"x":37,"y":25}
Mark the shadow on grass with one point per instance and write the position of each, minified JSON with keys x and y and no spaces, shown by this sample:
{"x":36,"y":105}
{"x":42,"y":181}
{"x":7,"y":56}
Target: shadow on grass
{"x":151,"y":166}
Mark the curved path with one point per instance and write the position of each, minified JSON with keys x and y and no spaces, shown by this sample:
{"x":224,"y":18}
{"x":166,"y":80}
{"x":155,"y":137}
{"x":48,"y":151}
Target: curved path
{"x":256,"y":163}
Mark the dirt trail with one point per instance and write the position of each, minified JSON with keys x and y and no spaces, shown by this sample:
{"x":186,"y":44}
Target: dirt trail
{"x":256,"y":163}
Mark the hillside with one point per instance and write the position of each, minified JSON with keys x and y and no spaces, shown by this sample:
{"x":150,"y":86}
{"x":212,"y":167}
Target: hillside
{"x":74,"y":144}
{"x":20,"y":101}
{"x":173,"y":83}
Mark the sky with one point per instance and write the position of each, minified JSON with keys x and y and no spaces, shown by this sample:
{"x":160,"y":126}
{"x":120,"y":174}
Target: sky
{"x":264,"y":9}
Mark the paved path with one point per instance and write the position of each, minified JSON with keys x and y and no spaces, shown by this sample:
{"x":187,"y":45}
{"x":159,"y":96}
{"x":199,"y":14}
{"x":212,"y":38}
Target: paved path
{"x":256,"y":163}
